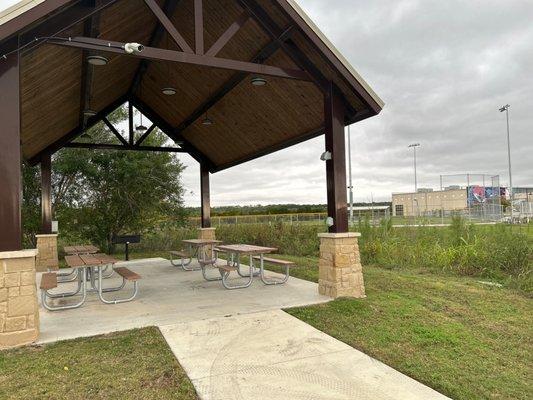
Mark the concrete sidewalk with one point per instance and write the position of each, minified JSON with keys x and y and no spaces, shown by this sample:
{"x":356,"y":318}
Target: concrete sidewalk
{"x":271,"y":355}
{"x":168,"y":295}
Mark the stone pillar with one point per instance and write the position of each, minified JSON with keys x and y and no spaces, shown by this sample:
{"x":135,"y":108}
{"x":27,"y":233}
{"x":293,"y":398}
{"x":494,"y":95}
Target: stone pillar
{"x":19,"y":310}
{"x":340,"y":270}
{"x":210,"y":234}
{"x":47,"y":257}
{"x":207,"y":233}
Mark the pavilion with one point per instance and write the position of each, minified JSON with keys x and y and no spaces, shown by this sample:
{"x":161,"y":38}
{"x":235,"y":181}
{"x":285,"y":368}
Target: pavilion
{"x":227,"y":80}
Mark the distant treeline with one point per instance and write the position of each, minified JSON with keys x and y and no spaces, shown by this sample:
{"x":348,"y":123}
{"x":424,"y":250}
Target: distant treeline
{"x":270,"y":209}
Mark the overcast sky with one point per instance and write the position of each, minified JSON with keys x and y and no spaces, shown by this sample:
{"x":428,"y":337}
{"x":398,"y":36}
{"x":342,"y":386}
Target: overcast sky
{"x":443,"y":68}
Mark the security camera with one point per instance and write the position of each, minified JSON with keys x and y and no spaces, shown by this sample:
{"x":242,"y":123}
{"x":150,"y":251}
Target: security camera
{"x":326,"y":156}
{"x":133,"y":48}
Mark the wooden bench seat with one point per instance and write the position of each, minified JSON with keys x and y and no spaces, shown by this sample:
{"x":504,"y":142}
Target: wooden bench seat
{"x":276,"y":261}
{"x":180,"y":254}
{"x":127,"y":274}
{"x":48,"y":281}
{"x":226,"y":268}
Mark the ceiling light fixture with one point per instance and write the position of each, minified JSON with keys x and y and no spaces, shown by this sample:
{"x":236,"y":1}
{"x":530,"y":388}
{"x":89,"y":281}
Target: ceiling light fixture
{"x":258,"y":81}
{"x":169,"y":91}
{"x":207,"y":121}
{"x":88,"y":113}
{"x":141,"y":128}
{"x":97,"y":60}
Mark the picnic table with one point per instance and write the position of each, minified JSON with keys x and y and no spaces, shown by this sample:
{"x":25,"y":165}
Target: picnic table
{"x":236,"y":252}
{"x":199,"y":248}
{"x":76,"y":250}
{"x":86,"y":264}
{"x":82,"y":249}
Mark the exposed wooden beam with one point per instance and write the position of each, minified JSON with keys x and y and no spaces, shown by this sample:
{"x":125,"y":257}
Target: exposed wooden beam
{"x":199,"y":26}
{"x":170,"y":131}
{"x":73,"y":134}
{"x":91,"y":29}
{"x":10,"y":176}
{"x":169,"y":26}
{"x":30,"y":16}
{"x":273,"y":30}
{"x":53,"y":24}
{"x":185,"y":58}
{"x":361,"y":115}
{"x":235,"y":80}
{"x":292,"y":50}
{"x":130,"y":123}
{"x":145,"y":135}
{"x":169,"y":9}
{"x":271,"y":149}
{"x":226,"y":36}
{"x":334,"y":113}
{"x":106,"y":146}
{"x":46,"y":194}
{"x":205,"y":194}
{"x":115,"y":132}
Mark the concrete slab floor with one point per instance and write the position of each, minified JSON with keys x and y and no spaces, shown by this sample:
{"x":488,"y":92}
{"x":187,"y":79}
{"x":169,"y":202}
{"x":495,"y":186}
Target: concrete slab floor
{"x":271,"y":355}
{"x":169,"y":295}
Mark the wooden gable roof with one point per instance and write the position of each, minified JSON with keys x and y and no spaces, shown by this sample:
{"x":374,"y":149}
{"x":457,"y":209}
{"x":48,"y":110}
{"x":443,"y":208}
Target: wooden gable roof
{"x":57,"y":84}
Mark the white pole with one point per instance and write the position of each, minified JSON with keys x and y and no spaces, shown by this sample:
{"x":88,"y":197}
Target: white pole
{"x":511,"y":194}
{"x":414,"y":146}
{"x":511,"y":190}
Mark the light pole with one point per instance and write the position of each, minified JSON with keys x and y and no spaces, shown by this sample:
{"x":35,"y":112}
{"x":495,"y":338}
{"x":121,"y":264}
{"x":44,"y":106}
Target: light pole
{"x":414,"y":146}
{"x":350,"y":187}
{"x":505,"y":109}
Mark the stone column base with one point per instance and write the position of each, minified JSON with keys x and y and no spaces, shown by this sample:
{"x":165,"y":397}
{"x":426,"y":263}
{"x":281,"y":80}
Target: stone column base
{"x":19,"y":310}
{"x":47,"y":257}
{"x":209,"y":234}
{"x":340,"y":270}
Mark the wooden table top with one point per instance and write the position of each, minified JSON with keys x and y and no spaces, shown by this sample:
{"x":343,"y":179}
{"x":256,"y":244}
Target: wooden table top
{"x":201,"y":242}
{"x":82,"y":249}
{"x":84,"y":260}
{"x":246,"y":249}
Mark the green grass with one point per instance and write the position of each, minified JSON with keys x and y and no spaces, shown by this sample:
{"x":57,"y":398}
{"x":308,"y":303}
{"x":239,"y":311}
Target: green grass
{"x":462,"y":338}
{"x":129,"y":365}
{"x":458,"y":336}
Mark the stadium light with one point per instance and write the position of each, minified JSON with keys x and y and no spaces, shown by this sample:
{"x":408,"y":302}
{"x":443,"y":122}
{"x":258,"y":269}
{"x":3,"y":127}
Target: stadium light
{"x":505,"y":109}
{"x":414,"y":146}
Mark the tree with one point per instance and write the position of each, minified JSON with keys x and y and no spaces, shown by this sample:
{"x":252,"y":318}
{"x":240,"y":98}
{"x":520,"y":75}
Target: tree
{"x":101,"y":193}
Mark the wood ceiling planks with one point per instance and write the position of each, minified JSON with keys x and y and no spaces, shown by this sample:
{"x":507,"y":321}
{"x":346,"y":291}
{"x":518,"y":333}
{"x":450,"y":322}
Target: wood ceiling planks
{"x":248,"y":119}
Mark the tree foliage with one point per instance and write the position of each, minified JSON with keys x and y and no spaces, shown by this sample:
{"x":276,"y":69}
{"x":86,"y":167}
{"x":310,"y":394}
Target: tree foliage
{"x":100,"y":193}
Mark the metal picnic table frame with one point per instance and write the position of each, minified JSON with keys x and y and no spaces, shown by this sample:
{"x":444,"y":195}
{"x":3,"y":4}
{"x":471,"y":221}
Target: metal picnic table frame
{"x":235,"y":251}
{"x":197,"y":248}
{"x":87,"y":263}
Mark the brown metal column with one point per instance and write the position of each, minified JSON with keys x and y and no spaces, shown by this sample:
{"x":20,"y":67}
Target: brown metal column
{"x":46,"y":193}
{"x":10,"y":175}
{"x":336,"y":167}
{"x":206,"y":196}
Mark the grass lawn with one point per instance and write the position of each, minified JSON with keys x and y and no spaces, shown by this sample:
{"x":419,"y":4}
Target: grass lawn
{"x":130,"y":365}
{"x":464,"y":339}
